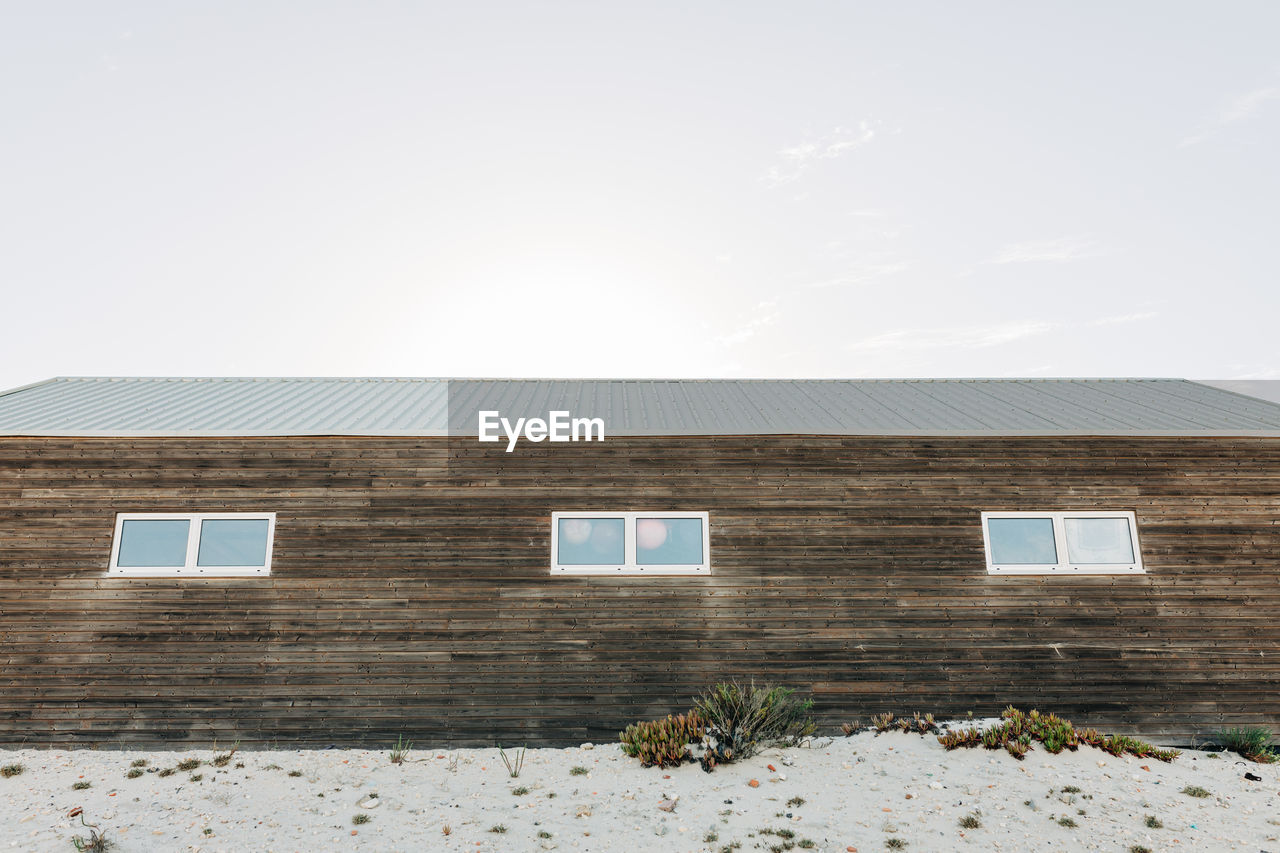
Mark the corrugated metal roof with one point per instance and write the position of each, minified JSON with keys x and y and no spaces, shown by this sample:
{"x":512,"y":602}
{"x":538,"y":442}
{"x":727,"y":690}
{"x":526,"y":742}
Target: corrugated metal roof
{"x":89,"y":406}
{"x":226,"y":406}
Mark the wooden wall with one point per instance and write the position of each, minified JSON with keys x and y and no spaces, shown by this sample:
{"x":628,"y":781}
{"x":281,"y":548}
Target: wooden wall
{"x":410,"y":590}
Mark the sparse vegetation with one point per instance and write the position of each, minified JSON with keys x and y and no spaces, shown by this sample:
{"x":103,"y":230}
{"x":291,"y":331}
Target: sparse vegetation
{"x":295,"y":773}
{"x":11,"y":770}
{"x":520,"y":792}
{"x":401,"y":750}
{"x":542,"y":833}
{"x":196,"y":777}
{"x":850,"y":728}
{"x":1196,"y":791}
{"x":1068,"y":822}
{"x":1252,"y":743}
{"x":141,"y":762}
{"x":795,"y":802}
{"x":971,"y":821}
{"x":578,"y":771}
{"x":1138,"y":848}
{"x":360,"y":819}
{"x":498,"y":829}
{"x":1071,"y":789}
{"x":134,"y":773}
{"x":1153,"y":822}
{"x":81,"y":785}
{"x":96,"y":842}
{"x":189,"y":764}
{"x":514,"y":766}
{"x":168,"y":771}
{"x":1018,"y":730}
{"x":895,"y":844}
{"x":662,"y":743}
{"x":742,"y":719}
{"x":805,"y":843}
{"x":224,"y":758}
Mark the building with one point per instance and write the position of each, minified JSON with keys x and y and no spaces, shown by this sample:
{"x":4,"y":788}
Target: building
{"x":344,"y":561}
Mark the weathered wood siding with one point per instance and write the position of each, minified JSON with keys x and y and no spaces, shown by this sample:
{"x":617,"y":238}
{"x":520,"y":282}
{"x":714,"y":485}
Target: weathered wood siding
{"x":410,"y":590}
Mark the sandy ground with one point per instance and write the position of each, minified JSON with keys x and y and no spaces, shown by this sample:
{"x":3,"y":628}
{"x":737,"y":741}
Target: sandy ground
{"x":850,"y":793}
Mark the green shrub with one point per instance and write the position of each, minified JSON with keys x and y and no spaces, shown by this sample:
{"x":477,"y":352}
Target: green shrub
{"x":1196,"y":791}
{"x":10,"y":770}
{"x":741,"y":720}
{"x":662,"y":743}
{"x":1253,"y":743}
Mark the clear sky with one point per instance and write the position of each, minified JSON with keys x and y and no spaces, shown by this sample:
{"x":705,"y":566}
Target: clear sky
{"x":640,"y":189}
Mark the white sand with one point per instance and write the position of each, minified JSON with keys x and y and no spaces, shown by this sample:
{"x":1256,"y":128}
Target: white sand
{"x":858,"y":792}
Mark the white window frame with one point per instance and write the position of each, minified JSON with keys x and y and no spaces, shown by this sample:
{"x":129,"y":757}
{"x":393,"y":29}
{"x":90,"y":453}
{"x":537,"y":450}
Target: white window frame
{"x":630,"y":566}
{"x":190,"y":568}
{"x":1064,"y":566}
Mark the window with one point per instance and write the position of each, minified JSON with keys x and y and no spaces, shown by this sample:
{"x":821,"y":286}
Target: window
{"x":1084,"y":543}
{"x":630,"y":543}
{"x":209,"y":544}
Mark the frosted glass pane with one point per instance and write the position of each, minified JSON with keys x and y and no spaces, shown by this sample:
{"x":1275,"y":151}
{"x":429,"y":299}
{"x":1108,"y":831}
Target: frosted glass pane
{"x":590,"y":542}
{"x":1099,"y":540}
{"x":1022,"y":541}
{"x":669,"y":541}
{"x":153,"y":543}
{"x":233,"y":542}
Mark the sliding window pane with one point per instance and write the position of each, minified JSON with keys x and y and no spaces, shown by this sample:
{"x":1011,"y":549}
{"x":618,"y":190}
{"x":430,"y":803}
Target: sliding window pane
{"x":1022,"y":541}
{"x":233,"y":542}
{"x":153,"y":543}
{"x":590,"y":542}
{"x":669,"y":541}
{"x":1099,"y":541}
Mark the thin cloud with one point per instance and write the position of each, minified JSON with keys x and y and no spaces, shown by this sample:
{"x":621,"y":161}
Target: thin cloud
{"x":1057,"y":251}
{"x":795,"y":160}
{"x":1237,"y":108}
{"x":764,"y":315}
{"x":862,"y":274}
{"x":973,"y":337}
{"x":1120,"y":319}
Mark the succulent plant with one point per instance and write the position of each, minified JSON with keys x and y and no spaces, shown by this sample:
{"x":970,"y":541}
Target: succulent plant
{"x":663,"y":743}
